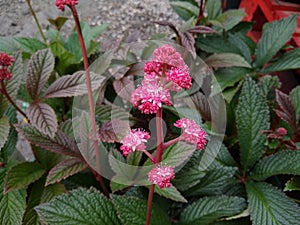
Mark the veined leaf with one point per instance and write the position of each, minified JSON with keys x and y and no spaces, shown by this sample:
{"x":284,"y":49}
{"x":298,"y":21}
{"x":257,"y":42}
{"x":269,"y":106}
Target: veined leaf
{"x":30,"y":45}
{"x":188,"y":41}
{"x":43,"y":118}
{"x":80,"y":206}
{"x":269,"y":206}
{"x":113,"y":131}
{"x":214,"y":8}
{"x":170,"y":193}
{"x":295,"y":97}
{"x":21,"y":175}
{"x":284,"y":162}
{"x":293,"y":184}
{"x":209,"y":209}
{"x":274,"y":37}
{"x":226,"y":60}
{"x":40,"y":67}
{"x":124,"y":87}
{"x":185,"y":9}
{"x":230,"y":18}
{"x":4,"y":130}
{"x":132,"y":211}
{"x":268,"y":84}
{"x":60,"y":144}
{"x":288,"y":61}
{"x":252,"y":116}
{"x":73,"y":85}
{"x":65,"y":169}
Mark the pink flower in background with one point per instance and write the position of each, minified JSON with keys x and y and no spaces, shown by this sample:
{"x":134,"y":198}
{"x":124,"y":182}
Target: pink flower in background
{"x":281,"y":131}
{"x":192,"y":132}
{"x":134,"y":141}
{"x":5,"y":60}
{"x":161,"y":175}
{"x":60,"y":4}
{"x":150,"y":96}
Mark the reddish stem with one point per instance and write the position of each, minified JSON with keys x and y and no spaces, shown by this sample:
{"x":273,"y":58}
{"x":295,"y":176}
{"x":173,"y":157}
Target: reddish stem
{"x":200,"y":14}
{"x":4,"y":92}
{"x":90,"y":95}
{"x":171,"y":142}
{"x":158,"y":157}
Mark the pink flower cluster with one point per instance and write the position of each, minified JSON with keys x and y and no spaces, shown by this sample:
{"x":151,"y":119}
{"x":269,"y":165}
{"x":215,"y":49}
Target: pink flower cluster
{"x":60,"y":4}
{"x":166,"y":72}
{"x":134,"y":141}
{"x":161,"y":176}
{"x":5,"y":62}
{"x":192,"y":133}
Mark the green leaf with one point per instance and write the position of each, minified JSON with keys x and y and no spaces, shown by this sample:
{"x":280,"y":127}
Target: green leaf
{"x":12,"y":207}
{"x":268,"y":84}
{"x":217,"y":44}
{"x":73,"y":85}
{"x":288,"y":61}
{"x":30,"y":45}
{"x":132,"y":211}
{"x":43,"y":118}
{"x":274,"y":37}
{"x":185,"y":10}
{"x":80,"y":206}
{"x":295,"y":97}
{"x":226,"y":60}
{"x":214,"y":8}
{"x":4,"y":130}
{"x":170,"y":193}
{"x":293,"y":184}
{"x":8,"y":45}
{"x":252,"y":116}
{"x":22,"y":175}
{"x":230,"y":18}
{"x":240,"y":41}
{"x":40,"y":67}
{"x":283,"y":162}
{"x":269,"y":206}
{"x":65,"y":169}
{"x":58,"y":22}
{"x":209,"y":209}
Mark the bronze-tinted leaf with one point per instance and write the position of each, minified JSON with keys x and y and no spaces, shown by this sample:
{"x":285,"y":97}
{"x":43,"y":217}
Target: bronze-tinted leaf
{"x":113,"y":131}
{"x":201,"y":30}
{"x":73,"y":85}
{"x":43,"y":118}
{"x":202,"y":105}
{"x":58,"y":22}
{"x":60,"y":144}
{"x":124,"y":87}
{"x":188,"y":41}
{"x":287,"y":109}
{"x":40,"y":67}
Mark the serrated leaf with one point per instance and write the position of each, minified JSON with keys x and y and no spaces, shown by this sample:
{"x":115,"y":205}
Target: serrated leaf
{"x":170,"y":193}
{"x":226,"y":60}
{"x":65,"y":169}
{"x":217,"y":44}
{"x":238,"y":40}
{"x":21,"y":175}
{"x":58,"y":22}
{"x":287,"y":110}
{"x":105,"y":113}
{"x":188,"y":41}
{"x":113,"y":131}
{"x":30,"y":45}
{"x":252,"y":116}
{"x":283,"y":162}
{"x":209,"y":209}
{"x":60,"y":144}
{"x":214,"y":8}
{"x":185,"y":9}
{"x":202,"y":105}
{"x":124,"y":87}
{"x":268,"y":84}
{"x":293,"y":184}
{"x":288,"y":61}
{"x":12,"y":207}
{"x":269,"y":206}
{"x":274,"y":37}
{"x":295,"y":97}
{"x":80,"y":206}
{"x":230,"y":18}
{"x":39,"y":69}
{"x":13,"y":85}
{"x":4,"y":130}
{"x":43,"y":118}
{"x":132,"y":211}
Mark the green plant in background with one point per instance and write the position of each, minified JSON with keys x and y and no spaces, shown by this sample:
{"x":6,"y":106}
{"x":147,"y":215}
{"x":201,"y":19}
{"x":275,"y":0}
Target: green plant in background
{"x":246,"y":183}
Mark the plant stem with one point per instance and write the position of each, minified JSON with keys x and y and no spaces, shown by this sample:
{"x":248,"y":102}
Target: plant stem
{"x":173,"y":141}
{"x":36,"y":21}
{"x":200,"y":14}
{"x":158,"y":157}
{"x":90,"y":96}
{"x":4,"y":92}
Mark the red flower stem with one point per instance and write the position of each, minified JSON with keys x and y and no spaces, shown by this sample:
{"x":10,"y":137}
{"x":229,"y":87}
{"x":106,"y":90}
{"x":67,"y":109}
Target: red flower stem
{"x":158,"y":157}
{"x":90,"y":96}
{"x":149,"y":156}
{"x":200,"y":14}
{"x":171,"y":142}
{"x":36,"y":21}
{"x":4,"y":92}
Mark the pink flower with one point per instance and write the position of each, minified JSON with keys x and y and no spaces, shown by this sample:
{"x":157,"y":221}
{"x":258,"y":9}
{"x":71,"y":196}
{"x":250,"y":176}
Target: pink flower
{"x":134,"y":141}
{"x":281,"y":131}
{"x":5,"y":60}
{"x":192,"y":133}
{"x":5,"y":74}
{"x":60,"y":4}
{"x":150,"y":96}
{"x":161,"y":175}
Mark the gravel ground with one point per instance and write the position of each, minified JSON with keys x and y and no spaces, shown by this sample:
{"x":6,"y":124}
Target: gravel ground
{"x":132,"y":15}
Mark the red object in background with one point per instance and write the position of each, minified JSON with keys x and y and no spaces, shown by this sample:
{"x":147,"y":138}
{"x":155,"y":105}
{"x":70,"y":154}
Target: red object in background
{"x":262,"y":11}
